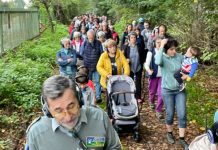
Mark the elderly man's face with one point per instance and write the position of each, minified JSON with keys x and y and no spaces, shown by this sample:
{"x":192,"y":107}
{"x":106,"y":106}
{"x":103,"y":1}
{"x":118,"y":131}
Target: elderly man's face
{"x":90,"y":36}
{"x":65,"y":109}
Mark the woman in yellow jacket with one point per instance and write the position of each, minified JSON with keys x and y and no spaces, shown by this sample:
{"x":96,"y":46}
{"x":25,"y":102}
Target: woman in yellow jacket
{"x":112,"y":62}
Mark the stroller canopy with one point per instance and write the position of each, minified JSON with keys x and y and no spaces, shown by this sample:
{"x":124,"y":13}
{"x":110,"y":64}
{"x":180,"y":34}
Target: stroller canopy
{"x":130,"y":85}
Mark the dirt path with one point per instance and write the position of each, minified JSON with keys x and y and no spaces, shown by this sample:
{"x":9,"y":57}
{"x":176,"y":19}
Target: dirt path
{"x":153,"y":131}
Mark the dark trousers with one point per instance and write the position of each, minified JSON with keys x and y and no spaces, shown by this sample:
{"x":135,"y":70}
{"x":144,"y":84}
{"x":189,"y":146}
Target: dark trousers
{"x":137,"y":77}
{"x":178,"y":76}
{"x":108,"y":104}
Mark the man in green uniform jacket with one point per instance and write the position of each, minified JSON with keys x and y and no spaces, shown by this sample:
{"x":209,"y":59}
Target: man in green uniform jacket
{"x":68,"y":126}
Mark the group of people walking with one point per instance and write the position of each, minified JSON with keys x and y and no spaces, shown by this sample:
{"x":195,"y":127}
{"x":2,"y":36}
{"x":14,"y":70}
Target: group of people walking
{"x":91,"y":55}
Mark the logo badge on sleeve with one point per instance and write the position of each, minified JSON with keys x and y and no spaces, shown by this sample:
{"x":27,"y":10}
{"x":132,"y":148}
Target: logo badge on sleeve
{"x":94,"y":141}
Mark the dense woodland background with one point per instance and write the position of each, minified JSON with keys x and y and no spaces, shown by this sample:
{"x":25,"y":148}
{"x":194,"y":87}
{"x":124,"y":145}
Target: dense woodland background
{"x":24,"y":68}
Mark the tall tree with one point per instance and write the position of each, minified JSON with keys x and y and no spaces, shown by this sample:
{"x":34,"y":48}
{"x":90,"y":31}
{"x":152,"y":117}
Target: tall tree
{"x":193,"y":22}
{"x":47,"y":5}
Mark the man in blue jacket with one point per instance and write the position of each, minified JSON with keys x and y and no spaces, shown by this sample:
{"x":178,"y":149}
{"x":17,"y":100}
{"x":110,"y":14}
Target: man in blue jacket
{"x":91,"y":51}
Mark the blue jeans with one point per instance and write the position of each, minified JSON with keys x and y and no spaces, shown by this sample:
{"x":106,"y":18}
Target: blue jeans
{"x":96,"y":76}
{"x":174,"y":99}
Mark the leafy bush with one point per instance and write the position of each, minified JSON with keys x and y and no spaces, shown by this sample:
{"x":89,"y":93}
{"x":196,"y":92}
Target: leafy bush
{"x":5,"y":144}
{"x":200,"y":102}
{"x":23,"y":72}
{"x":20,"y":82}
{"x":44,"y":48}
{"x":210,"y":55}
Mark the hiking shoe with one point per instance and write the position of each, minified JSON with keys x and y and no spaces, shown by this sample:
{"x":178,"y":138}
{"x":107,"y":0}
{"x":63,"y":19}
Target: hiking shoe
{"x":152,"y":106}
{"x":184,"y":144}
{"x":182,"y":87}
{"x":159,"y":115}
{"x":170,"y":138}
{"x":99,"y":100}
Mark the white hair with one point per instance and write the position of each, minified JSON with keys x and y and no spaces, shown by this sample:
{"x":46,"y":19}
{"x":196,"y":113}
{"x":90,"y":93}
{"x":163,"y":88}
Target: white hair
{"x":91,"y":31}
{"x":76,"y":34}
{"x":100,"y":34}
{"x":65,"y":39}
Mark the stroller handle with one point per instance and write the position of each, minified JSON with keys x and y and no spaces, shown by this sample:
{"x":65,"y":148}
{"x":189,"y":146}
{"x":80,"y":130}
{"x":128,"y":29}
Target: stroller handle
{"x":122,"y":92}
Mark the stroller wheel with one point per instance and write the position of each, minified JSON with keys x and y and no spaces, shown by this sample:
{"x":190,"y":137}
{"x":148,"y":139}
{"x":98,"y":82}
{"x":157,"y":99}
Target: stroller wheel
{"x":136,"y":136}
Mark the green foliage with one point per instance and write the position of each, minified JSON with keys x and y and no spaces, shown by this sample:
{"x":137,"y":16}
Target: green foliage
{"x":5,"y":144}
{"x":12,"y":119}
{"x":103,"y":8}
{"x":193,"y":23}
{"x":20,"y":82}
{"x":64,"y":10}
{"x":23,"y":72}
{"x":207,"y":55}
{"x":43,"y":16}
{"x":103,"y":104}
{"x":39,"y":50}
{"x":200,"y":103}
{"x":126,"y":18}
{"x":120,"y":26}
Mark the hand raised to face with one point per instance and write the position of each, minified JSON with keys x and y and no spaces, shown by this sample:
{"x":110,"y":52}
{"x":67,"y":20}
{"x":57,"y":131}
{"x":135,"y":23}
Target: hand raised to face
{"x":163,"y":42}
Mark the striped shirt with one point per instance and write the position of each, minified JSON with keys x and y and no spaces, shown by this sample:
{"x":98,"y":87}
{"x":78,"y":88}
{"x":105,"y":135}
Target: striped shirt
{"x":190,"y":65}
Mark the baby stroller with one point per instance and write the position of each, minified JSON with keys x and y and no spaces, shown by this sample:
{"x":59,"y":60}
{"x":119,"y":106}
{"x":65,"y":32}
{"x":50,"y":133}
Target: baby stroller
{"x":123,"y":105}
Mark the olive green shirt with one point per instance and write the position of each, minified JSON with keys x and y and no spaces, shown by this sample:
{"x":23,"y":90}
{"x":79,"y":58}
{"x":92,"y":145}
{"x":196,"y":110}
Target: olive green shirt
{"x":93,"y":128}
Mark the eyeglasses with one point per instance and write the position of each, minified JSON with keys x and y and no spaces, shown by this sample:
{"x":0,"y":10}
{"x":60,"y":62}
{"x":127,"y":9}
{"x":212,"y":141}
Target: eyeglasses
{"x":71,"y":109}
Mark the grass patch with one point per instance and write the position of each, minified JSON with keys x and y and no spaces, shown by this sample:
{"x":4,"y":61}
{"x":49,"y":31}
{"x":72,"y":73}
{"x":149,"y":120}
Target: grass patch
{"x":202,"y":101}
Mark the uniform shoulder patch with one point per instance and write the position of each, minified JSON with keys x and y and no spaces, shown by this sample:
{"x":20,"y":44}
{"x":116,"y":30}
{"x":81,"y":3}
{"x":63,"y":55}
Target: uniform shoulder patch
{"x":34,"y":121}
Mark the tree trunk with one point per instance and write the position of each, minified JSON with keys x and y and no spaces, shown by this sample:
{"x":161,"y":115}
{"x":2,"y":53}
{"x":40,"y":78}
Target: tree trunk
{"x":60,"y":14}
{"x":45,"y":3}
